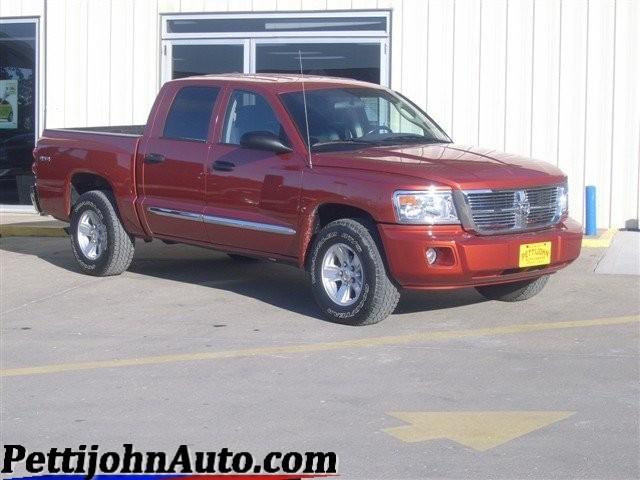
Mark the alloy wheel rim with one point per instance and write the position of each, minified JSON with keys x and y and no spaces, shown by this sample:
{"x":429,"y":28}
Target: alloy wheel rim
{"x":342,"y":275}
{"x":92,"y":235}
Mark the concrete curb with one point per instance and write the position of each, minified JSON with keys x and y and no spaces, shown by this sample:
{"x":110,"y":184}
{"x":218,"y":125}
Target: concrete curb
{"x":21,"y":230}
{"x":602,"y":241}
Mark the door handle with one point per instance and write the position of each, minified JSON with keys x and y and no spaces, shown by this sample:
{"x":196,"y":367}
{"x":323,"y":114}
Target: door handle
{"x":153,"y":158}
{"x":223,"y":166}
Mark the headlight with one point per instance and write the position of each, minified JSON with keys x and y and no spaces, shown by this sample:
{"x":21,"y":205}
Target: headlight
{"x":562,"y":205}
{"x":431,"y":207}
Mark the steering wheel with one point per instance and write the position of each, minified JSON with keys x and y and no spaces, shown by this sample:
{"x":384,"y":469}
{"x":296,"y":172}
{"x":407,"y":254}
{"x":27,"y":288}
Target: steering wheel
{"x":379,"y":128}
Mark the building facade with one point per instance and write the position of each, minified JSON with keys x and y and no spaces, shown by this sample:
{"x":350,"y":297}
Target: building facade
{"x":552,"y":79}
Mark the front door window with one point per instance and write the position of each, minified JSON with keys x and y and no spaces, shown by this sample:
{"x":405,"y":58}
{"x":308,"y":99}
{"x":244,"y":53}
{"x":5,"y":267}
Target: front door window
{"x":249,"y":112}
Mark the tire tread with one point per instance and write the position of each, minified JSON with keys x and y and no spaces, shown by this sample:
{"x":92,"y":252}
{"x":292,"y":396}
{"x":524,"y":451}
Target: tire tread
{"x":120,"y":252}
{"x":386,"y":295}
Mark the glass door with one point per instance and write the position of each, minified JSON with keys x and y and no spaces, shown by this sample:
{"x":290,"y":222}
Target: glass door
{"x":360,"y":59}
{"x":18,"y":107}
{"x":186,"y":58}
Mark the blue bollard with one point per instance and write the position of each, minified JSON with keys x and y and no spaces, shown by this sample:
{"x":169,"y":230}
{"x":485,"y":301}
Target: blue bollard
{"x":590,"y":211}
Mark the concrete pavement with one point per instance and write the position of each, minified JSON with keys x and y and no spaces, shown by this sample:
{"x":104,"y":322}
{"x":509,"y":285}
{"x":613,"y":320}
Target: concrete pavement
{"x":569,"y":354}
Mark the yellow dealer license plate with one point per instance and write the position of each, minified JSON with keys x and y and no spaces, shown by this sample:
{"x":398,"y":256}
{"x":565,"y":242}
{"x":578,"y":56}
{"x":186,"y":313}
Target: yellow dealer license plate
{"x":533,"y":254}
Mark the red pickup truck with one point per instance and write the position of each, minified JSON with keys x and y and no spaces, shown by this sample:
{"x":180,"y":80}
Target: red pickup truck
{"x":347,"y":180}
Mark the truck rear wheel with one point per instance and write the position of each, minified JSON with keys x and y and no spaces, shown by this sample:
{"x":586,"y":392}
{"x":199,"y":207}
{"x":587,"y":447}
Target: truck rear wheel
{"x":514,"y":292}
{"x":100,"y":243}
{"x":348,"y":276}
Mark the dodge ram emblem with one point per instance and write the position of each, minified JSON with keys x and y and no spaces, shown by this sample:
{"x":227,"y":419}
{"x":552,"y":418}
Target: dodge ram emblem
{"x":522,"y":208}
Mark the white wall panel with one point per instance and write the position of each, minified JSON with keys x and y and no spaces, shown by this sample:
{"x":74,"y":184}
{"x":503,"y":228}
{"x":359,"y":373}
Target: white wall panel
{"x":625,"y":151}
{"x":215,"y":5}
{"x":338,"y":4}
{"x":75,"y":72}
{"x":31,"y":8}
{"x":573,"y":70}
{"x":121,"y":74}
{"x":289,"y":4}
{"x":98,"y":63}
{"x":517,"y":133}
{"x":145,"y":58}
{"x":264,"y":5}
{"x":556,"y":79}
{"x":414,"y":59}
{"x":493,"y":52}
{"x":191,"y":5}
{"x":466,"y":72}
{"x":56,"y":53}
{"x":314,"y":4}
{"x":440,"y":61}
{"x":599,"y":103}
{"x":546,"y":68}
{"x":366,"y":4}
{"x":240,"y":5}
{"x":397,"y":38}
{"x":11,"y":8}
{"x":168,"y":6}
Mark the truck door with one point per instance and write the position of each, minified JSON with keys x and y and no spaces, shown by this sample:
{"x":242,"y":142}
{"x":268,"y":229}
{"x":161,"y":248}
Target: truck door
{"x":252,"y":196}
{"x":174,"y":162}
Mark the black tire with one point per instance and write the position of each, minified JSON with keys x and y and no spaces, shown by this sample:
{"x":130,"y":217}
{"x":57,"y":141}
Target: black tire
{"x":514,"y":292}
{"x":118,"y":254}
{"x":243,"y":258}
{"x":378,"y":297}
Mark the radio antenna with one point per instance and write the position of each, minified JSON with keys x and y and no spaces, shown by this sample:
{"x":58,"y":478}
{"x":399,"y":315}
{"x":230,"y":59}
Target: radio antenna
{"x":306,"y":113}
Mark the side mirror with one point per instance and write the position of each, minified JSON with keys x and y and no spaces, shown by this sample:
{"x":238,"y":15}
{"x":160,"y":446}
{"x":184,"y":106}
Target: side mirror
{"x":264,"y":141}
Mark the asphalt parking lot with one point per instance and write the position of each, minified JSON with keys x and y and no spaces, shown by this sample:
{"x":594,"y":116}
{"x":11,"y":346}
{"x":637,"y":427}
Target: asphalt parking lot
{"x":191,"y":347}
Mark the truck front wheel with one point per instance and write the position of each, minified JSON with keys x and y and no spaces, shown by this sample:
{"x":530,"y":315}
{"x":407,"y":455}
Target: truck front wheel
{"x":100,"y":243}
{"x":348,"y":276}
{"x":514,"y":292}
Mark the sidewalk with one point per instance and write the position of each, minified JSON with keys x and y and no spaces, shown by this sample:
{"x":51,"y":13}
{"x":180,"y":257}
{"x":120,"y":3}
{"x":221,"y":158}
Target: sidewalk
{"x":623,"y":255}
{"x":30,"y":225}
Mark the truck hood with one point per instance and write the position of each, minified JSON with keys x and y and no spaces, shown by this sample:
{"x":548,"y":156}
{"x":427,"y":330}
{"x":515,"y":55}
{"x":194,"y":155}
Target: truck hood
{"x":457,"y":166}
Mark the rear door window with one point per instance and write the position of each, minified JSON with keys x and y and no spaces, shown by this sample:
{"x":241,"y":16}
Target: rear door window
{"x":190,"y":113}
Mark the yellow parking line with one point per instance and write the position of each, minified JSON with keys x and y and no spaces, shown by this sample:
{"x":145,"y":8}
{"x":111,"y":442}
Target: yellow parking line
{"x":318,"y":347}
{"x":603,"y":241}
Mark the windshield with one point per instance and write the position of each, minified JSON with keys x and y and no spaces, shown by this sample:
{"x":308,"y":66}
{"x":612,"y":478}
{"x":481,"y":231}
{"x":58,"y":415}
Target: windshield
{"x":347,"y":118}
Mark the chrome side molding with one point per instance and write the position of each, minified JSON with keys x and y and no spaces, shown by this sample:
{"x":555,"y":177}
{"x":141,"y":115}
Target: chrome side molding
{"x":168,"y":212}
{"x":260,"y":227}
{"x":223,"y":221}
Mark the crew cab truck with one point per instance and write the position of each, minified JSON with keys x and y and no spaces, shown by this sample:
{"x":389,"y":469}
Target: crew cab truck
{"x":347,"y":180}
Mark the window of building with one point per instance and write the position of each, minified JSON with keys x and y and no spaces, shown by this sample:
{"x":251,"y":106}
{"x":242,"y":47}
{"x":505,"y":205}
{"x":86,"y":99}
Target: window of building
{"x":360,"y":61}
{"x":190,"y":113}
{"x":190,"y":60}
{"x":249,"y":112}
{"x":18,"y":107}
{"x":341,"y":44}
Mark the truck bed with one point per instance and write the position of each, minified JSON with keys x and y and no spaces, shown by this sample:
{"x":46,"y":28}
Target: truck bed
{"x":65,"y":155}
{"x":128,"y":130}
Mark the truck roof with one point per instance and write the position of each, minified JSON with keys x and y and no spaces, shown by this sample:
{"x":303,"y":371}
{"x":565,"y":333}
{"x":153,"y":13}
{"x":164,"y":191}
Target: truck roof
{"x":278,"y":82}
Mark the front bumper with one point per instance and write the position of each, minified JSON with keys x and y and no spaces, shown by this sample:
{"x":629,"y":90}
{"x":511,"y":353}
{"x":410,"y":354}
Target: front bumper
{"x":475,"y":259}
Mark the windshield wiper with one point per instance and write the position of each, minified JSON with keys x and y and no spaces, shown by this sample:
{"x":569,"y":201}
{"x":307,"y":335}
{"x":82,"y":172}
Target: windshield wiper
{"x":351,"y":141}
{"x":411,"y":138}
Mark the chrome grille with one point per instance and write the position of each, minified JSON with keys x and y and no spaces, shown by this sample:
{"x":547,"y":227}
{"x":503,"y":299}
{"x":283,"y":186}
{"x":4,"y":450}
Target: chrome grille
{"x":502,"y":211}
